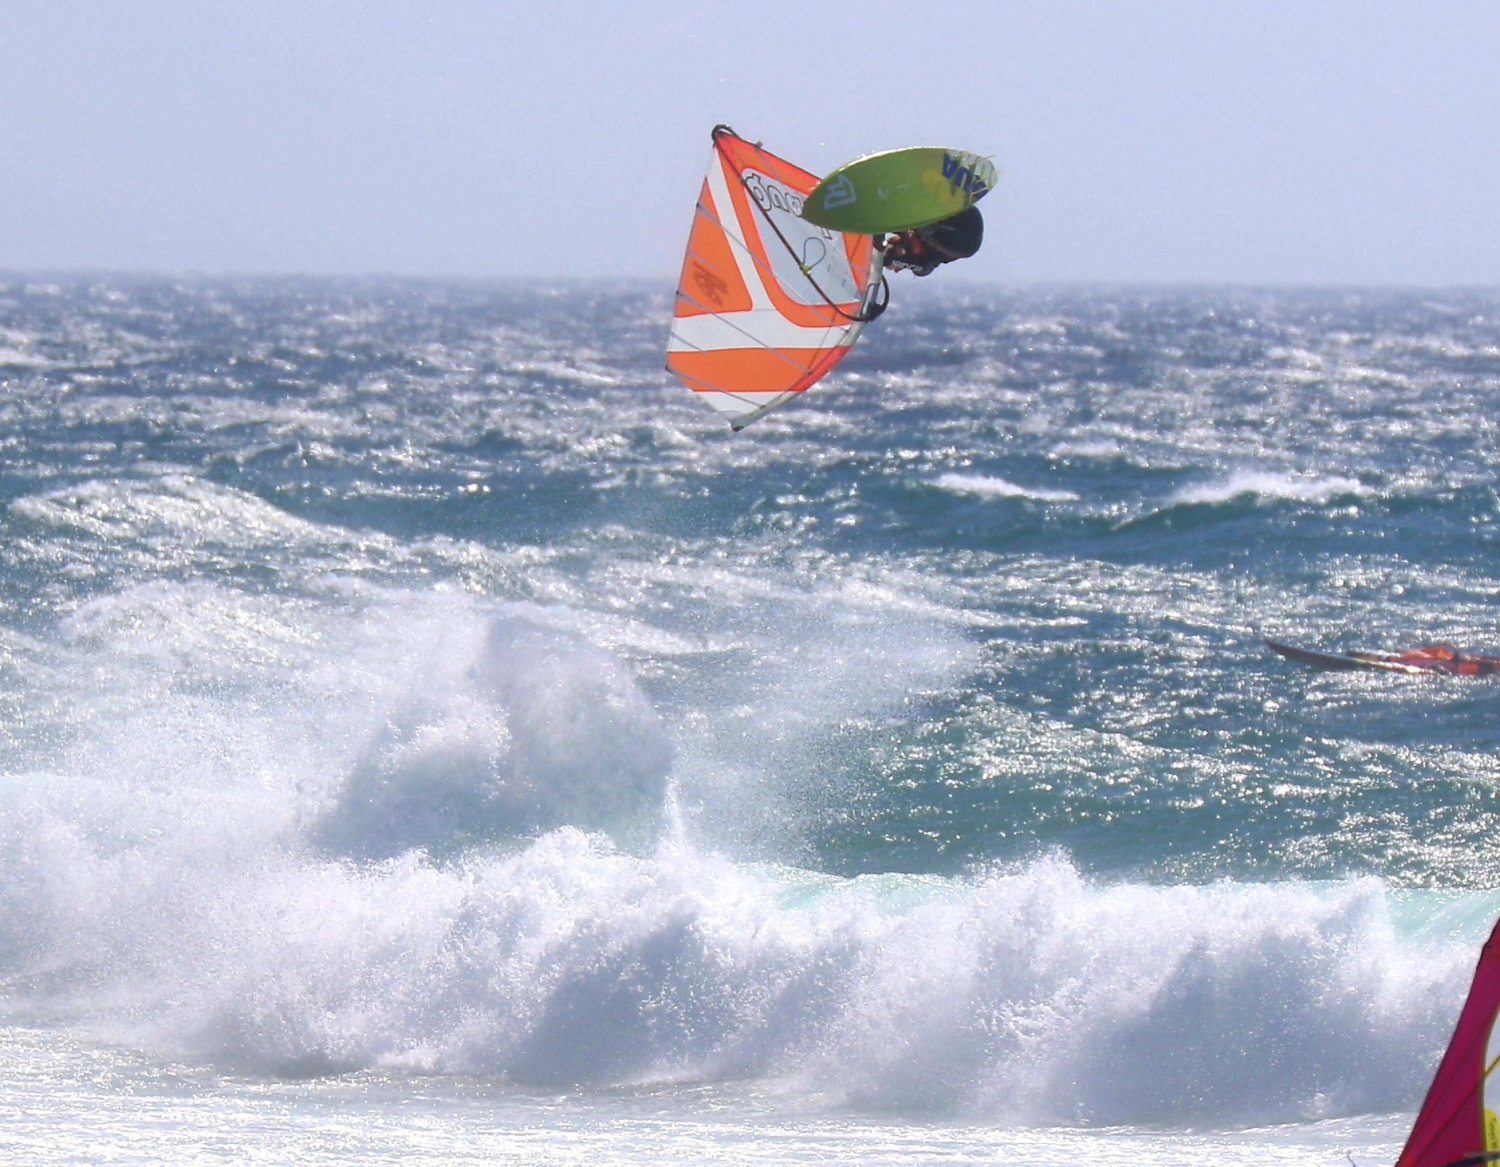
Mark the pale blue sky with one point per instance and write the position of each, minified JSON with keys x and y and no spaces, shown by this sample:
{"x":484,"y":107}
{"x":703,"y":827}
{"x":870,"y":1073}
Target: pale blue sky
{"x":1218,"y":141}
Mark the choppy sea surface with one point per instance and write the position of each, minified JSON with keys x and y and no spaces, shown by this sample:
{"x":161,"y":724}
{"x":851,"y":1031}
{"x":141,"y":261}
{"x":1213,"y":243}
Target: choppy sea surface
{"x":429,"y":736}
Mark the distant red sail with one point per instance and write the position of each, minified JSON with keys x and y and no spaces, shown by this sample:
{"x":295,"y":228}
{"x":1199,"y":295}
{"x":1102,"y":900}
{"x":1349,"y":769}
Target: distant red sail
{"x":1432,"y":658}
{"x":1442,"y":658}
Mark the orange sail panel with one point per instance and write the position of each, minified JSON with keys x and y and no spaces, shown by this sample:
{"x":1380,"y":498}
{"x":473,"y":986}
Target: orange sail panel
{"x":768,"y":303}
{"x":1457,"y":1123}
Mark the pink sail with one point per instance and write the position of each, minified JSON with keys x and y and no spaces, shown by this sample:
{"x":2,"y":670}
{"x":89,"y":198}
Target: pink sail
{"x":1457,"y":1125}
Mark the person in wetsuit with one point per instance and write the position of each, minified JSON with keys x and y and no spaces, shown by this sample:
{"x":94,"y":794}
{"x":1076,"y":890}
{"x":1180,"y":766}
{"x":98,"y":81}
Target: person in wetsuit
{"x":923,"y":250}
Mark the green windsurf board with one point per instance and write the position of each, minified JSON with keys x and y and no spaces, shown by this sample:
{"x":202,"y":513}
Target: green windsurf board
{"x":897,"y":190}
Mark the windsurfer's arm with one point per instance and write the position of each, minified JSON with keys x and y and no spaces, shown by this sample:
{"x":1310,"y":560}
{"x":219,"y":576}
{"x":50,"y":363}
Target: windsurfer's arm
{"x":906,"y":251}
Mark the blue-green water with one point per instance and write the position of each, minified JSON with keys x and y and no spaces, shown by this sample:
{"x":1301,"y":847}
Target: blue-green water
{"x":413,"y":694}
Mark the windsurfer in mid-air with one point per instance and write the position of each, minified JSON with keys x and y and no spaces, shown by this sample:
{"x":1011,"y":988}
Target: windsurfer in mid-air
{"x":925,"y":249}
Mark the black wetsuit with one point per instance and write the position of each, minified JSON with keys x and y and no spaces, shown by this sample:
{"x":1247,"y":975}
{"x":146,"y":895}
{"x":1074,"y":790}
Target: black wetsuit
{"x":923,"y":250}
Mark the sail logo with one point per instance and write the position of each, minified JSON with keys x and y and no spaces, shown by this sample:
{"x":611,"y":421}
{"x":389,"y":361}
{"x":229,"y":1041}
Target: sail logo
{"x":839,"y":193}
{"x":963,"y":176}
{"x":712,"y":285}
{"x":771,"y":195}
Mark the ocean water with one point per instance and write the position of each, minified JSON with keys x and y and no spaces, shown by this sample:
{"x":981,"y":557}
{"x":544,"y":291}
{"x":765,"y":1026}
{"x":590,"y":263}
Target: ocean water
{"x":429,"y":736}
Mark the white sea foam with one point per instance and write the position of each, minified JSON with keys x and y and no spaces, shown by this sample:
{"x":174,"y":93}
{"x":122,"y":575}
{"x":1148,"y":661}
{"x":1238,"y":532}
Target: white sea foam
{"x":84,"y":1102}
{"x":247,"y":863}
{"x":1100,"y":448}
{"x":1270,"y":484}
{"x":22,"y":358}
{"x":296,"y":839}
{"x":1025,"y":996}
{"x":990,"y":486}
{"x":172,"y":509}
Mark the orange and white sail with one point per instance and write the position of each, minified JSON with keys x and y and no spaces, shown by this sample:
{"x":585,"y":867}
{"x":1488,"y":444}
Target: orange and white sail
{"x":768,"y":303}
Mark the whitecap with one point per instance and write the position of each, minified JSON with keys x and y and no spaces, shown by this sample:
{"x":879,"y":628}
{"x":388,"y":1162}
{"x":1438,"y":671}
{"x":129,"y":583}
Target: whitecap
{"x":988,"y":486}
{"x":1269,"y":484}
